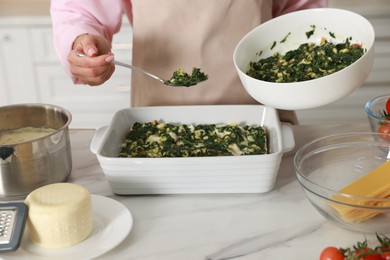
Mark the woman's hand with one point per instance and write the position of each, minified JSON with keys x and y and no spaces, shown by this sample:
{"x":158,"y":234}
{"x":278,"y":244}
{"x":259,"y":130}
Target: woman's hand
{"x":95,"y":68}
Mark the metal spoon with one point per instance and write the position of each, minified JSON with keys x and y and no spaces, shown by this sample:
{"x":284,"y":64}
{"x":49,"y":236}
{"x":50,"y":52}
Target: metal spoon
{"x":166,"y":82}
{"x":130,"y":67}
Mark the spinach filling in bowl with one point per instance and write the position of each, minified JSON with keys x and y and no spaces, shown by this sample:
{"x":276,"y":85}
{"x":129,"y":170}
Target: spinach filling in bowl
{"x":155,"y":139}
{"x":309,"y":61}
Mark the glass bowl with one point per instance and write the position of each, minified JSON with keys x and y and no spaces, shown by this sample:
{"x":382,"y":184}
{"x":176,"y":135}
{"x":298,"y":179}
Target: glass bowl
{"x":377,"y":114}
{"x":326,"y":165}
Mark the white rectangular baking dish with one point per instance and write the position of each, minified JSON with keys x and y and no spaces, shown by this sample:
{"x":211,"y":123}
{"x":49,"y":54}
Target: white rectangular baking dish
{"x":223,"y":174}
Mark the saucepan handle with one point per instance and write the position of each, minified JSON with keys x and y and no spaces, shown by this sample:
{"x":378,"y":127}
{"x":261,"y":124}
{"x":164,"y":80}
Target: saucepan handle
{"x":6,"y":151}
{"x":97,"y":139}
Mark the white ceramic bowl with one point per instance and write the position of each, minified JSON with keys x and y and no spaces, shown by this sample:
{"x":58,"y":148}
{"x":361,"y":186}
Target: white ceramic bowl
{"x":312,"y":93}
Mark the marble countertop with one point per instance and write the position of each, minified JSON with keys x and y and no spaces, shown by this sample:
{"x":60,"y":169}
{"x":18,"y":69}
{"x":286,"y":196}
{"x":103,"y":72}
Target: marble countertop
{"x":280,"y":224}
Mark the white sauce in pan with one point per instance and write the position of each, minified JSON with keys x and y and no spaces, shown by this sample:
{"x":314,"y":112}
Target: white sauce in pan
{"x":12,"y":136}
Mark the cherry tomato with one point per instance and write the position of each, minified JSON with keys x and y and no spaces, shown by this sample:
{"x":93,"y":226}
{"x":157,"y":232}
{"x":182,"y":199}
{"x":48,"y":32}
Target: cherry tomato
{"x":331,"y":253}
{"x":388,"y":106}
{"x":384,"y":128}
{"x":374,"y":256}
{"x":386,"y":254}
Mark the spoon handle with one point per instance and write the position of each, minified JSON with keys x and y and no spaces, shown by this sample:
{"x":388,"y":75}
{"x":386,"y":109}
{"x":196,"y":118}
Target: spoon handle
{"x":138,"y":69}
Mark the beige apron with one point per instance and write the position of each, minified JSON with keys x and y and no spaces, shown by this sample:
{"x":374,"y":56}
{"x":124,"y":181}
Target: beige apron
{"x":172,"y":34}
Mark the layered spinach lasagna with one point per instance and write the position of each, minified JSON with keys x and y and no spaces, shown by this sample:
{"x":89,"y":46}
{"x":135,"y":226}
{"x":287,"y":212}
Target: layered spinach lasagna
{"x":154,"y":139}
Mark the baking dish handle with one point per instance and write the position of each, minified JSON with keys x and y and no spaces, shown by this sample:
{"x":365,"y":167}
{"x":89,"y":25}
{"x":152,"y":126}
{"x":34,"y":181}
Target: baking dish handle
{"x":97,"y":139}
{"x":287,"y":137}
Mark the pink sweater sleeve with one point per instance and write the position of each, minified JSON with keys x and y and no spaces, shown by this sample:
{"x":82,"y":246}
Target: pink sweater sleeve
{"x":71,"y":18}
{"x":280,"y":7}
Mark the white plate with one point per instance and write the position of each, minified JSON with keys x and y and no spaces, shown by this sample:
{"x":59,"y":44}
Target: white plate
{"x":112,"y":223}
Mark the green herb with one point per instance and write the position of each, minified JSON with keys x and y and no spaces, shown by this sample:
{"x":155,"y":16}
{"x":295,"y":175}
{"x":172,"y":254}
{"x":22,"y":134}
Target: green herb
{"x":285,"y":38}
{"x":155,"y":139}
{"x":310,"y":33}
{"x":309,"y":61}
{"x":273,"y":45}
{"x":384,"y":115}
{"x":259,"y":53}
{"x":332,"y":35}
{"x":182,"y":78}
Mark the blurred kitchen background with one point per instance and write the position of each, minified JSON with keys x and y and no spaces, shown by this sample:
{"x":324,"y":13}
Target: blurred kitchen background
{"x":30,"y":71}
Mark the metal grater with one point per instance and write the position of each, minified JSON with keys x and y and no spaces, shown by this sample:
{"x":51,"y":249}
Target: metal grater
{"x":12,"y":222}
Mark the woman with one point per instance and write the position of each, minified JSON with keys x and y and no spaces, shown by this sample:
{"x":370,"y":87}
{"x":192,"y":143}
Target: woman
{"x":167,"y":34}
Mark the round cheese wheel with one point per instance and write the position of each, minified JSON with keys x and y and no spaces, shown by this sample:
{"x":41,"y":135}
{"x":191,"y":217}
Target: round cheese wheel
{"x":59,"y":215}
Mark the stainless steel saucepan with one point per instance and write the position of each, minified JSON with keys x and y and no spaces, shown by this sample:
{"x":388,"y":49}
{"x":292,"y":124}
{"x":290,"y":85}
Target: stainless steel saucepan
{"x":30,"y":164}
